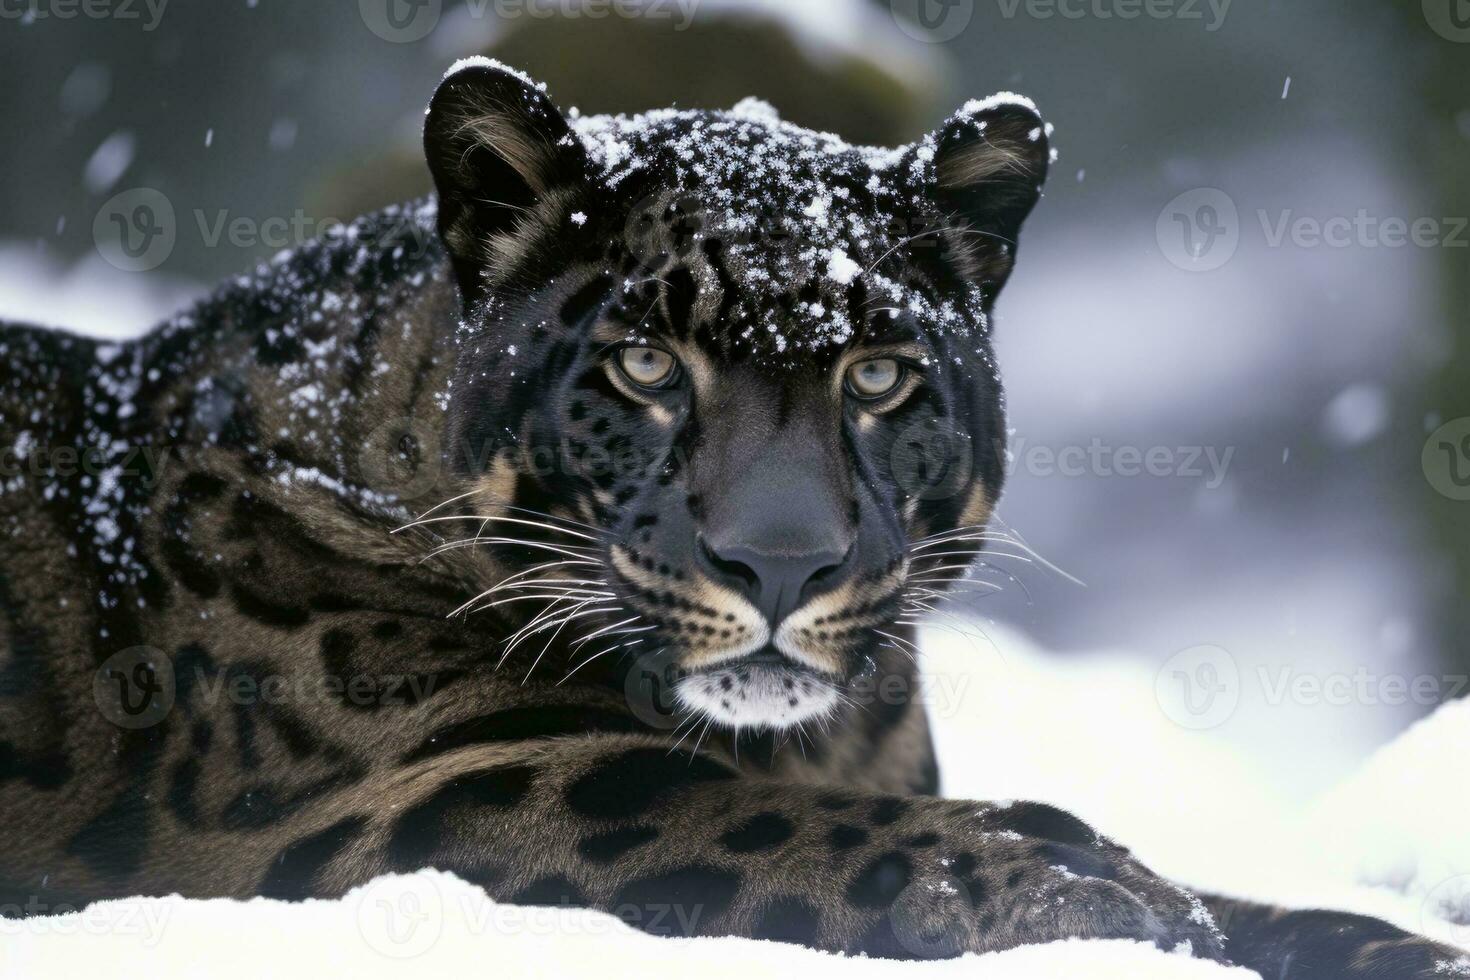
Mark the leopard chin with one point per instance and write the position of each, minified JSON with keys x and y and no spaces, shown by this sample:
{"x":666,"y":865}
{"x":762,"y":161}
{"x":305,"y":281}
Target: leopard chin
{"x":758,"y":696}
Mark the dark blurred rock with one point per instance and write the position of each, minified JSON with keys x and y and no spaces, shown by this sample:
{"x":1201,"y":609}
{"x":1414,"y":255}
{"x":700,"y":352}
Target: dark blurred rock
{"x":618,"y":64}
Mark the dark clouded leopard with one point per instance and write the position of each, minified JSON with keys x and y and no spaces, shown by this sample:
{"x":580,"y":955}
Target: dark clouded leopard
{"x":562,"y":532}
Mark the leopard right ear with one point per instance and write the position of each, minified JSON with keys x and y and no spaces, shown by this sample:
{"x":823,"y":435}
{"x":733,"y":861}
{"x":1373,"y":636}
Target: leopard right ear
{"x":990,"y":161}
{"x":504,"y":162}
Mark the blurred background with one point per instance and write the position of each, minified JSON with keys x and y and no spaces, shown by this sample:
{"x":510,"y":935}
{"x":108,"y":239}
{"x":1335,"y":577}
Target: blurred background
{"x":1237,"y":346}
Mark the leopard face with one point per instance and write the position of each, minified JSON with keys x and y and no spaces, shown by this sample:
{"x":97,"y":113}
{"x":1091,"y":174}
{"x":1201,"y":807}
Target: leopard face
{"x":749,"y":365}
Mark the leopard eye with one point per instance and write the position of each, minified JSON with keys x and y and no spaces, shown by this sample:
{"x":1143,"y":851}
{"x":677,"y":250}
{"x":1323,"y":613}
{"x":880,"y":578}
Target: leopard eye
{"x":874,"y":378}
{"x":646,"y":366}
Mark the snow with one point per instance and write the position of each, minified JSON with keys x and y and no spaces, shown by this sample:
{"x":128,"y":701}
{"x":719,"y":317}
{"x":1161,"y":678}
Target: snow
{"x":1012,"y":722}
{"x":759,"y":110}
{"x":90,"y":297}
{"x":1356,"y":415}
{"x":109,"y":162}
{"x":1421,"y":851}
{"x":435,"y":925}
{"x":86,"y":89}
{"x":976,"y":107}
{"x":840,"y":207}
{"x":840,"y":268}
{"x":283,"y":134}
{"x":480,"y":61}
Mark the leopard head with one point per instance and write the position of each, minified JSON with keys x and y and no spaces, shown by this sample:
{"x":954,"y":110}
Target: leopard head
{"x":731,"y":380}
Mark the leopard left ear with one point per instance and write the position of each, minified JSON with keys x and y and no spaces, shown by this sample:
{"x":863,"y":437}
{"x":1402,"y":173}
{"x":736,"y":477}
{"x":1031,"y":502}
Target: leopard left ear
{"x":505,"y":162}
{"x":990,"y":162}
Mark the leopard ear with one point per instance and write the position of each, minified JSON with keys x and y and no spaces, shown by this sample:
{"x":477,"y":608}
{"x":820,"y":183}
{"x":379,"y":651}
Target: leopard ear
{"x":990,"y":162}
{"x":504,"y":161}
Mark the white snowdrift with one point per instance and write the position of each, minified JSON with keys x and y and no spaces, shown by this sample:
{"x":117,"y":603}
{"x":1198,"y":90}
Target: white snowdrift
{"x":1404,"y":821}
{"x":436,"y":925}
{"x":89,"y":297}
{"x":1086,"y":733}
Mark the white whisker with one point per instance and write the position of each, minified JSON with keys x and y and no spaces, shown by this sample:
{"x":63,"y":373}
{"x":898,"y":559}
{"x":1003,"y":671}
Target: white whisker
{"x":610,"y":629}
{"x":495,"y":517}
{"x":615,"y":646}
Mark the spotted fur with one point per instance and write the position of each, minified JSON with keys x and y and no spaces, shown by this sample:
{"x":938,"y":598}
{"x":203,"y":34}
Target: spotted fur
{"x":375,"y":561}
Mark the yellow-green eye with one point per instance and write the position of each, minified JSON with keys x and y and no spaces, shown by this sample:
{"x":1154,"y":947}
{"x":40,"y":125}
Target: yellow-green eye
{"x":874,"y":378}
{"x":646,"y":366}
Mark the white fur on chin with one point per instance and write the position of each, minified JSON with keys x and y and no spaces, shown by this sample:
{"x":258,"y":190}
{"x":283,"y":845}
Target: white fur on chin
{"x":757,"y":696}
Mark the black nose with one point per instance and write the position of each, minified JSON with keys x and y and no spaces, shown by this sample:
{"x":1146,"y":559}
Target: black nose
{"x":775,"y":583}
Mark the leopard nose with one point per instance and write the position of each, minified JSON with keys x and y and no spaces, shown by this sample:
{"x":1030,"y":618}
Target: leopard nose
{"x":775,"y":583}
